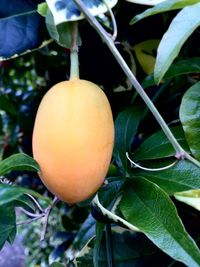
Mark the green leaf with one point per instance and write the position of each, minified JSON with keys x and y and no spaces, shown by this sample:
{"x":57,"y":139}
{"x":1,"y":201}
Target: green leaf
{"x":182,"y":26}
{"x":56,"y":264}
{"x":130,"y":250}
{"x":190,"y":118}
{"x":85,"y":234}
{"x":8,"y":193}
{"x":7,"y":224}
{"x":7,"y":105}
{"x":126,"y":125}
{"x":191,"y":197}
{"x":144,"y":52}
{"x":12,"y":235}
{"x":61,"y":33}
{"x":185,"y":66}
{"x":18,"y":161}
{"x":158,"y":146}
{"x":108,"y":195}
{"x":163,"y":7}
{"x":24,"y":201}
{"x":149,"y":208}
{"x":42,"y":9}
{"x":181,"y":177}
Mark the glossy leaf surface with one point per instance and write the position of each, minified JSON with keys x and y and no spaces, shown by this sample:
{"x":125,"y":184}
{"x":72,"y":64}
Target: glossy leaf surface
{"x":181,"y":27}
{"x":190,"y":118}
{"x":181,"y":177}
{"x":149,"y":208}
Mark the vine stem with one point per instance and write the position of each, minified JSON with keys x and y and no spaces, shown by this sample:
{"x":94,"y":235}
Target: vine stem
{"x":74,"y":67}
{"x":180,"y":152}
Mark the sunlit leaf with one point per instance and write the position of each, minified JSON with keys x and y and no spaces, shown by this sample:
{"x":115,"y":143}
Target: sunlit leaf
{"x":164,"y":6}
{"x":181,"y":27}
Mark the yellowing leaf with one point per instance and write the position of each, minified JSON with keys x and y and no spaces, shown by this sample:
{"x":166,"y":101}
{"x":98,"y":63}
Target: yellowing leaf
{"x":145,"y":54}
{"x":190,"y":197}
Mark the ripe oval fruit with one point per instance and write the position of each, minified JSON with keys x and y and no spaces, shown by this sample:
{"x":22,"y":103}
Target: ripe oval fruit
{"x":73,"y":139}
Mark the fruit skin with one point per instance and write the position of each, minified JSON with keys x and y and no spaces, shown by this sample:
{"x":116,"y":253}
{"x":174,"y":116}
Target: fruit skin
{"x":73,"y":139}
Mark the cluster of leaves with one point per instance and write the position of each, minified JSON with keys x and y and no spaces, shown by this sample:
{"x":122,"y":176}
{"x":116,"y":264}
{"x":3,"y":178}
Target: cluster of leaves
{"x":151,"y":202}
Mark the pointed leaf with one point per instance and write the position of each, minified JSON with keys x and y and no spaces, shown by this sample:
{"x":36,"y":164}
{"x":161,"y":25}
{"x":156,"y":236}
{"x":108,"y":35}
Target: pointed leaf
{"x":8,"y":193}
{"x":18,"y":161}
{"x":182,"y":26}
{"x":181,"y":177}
{"x":163,"y":7}
{"x":190,"y":118}
{"x":191,"y":197}
{"x":126,"y":125}
{"x":148,"y":207}
{"x":85,"y":234}
{"x":7,"y":224}
{"x":185,"y":66}
{"x":158,"y":146}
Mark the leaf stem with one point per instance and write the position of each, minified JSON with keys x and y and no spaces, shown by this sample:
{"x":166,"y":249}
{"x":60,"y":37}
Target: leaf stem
{"x":46,"y":218}
{"x":74,"y":68}
{"x":111,"y":45}
{"x":109,"y":245}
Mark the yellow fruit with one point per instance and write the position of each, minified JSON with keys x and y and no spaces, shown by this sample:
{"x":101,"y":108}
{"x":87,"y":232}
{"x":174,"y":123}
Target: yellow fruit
{"x":73,"y":139}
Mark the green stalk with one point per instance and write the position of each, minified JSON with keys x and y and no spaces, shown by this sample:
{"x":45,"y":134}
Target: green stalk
{"x":180,"y":152}
{"x":74,"y":67}
{"x":109,"y":246}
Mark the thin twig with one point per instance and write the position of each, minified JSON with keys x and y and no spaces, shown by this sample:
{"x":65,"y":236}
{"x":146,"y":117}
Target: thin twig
{"x":31,"y":220}
{"x":30,"y":214}
{"x":46,"y":217}
{"x":111,"y":45}
{"x":36,"y":202}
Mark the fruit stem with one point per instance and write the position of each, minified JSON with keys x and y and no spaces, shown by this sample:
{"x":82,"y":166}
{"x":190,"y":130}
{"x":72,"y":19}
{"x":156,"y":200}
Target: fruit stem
{"x":74,"y":67}
{"x":111,"y":45}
